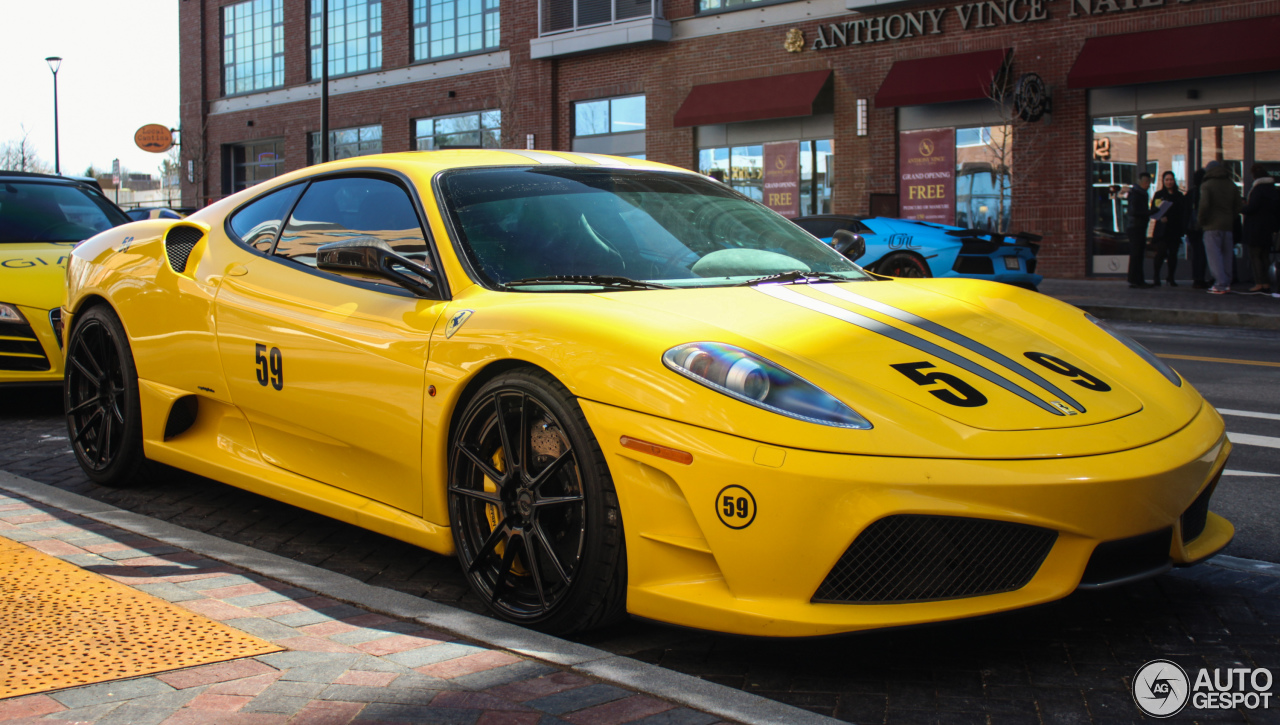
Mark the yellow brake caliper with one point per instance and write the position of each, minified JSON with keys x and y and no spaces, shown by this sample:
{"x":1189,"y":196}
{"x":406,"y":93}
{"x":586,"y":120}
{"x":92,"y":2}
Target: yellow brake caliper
{"x":492,"y":513}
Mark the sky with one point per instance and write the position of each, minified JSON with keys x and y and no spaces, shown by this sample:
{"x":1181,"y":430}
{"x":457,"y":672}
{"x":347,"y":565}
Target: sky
{"x":119,"y":72}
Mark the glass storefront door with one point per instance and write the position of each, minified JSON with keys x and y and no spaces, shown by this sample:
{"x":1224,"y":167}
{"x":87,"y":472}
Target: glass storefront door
{"x":1177,"y":142}
{"x":1167,"y":150}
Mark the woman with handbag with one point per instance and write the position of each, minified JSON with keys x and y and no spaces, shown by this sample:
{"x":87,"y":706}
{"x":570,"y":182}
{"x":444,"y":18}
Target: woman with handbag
{"x":1170,"y":226}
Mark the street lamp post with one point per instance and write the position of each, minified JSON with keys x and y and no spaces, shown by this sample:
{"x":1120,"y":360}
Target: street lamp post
{"x":54,"y":64}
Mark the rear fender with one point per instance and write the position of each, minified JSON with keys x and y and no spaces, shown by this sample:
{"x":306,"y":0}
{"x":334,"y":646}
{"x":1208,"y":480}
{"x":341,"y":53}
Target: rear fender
{"x":167,"y":316}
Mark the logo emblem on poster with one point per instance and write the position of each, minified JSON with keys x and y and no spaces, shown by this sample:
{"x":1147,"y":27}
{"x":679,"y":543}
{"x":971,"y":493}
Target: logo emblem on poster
{"x":926,"y":147}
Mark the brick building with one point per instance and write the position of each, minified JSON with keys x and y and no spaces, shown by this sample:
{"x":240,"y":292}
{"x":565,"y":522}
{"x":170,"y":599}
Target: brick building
{"x":867,"y":95}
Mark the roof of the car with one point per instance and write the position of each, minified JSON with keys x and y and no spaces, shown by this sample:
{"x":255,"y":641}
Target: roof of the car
{"x":41,"y":177}
{"x":425,"y":164}
{"x":433,"y":161}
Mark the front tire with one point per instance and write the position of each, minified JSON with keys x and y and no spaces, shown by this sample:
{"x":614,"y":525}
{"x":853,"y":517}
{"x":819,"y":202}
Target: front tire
{"x":534,"y":513}
{"x":100,"y":397}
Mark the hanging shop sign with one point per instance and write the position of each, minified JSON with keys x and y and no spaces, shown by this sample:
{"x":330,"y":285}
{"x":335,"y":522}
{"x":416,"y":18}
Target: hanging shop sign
{"x":782,"y":178}
{"x":1031,"y":99}
{"x":154,"y":138}
{"x":927,"y":175}
{"x":970,"y":16}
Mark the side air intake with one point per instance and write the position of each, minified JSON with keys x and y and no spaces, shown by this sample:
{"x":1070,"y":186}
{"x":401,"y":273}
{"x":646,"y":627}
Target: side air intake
{"x":178,"y":244}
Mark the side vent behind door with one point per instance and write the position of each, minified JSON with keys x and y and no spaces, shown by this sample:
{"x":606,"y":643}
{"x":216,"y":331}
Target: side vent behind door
{"x":178,"y":244}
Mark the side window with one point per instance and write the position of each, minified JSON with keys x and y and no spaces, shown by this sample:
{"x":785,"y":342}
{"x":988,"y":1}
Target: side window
{"x":337,"y":209}
{"x":258,"y":223}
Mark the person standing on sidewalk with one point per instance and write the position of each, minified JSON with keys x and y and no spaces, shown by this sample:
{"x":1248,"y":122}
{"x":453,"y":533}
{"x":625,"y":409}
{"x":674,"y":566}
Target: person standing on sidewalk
{"x":1195,"y":235}
{"x":1138,"y":217}
{"x":1219,"y":206}
{"x":1261,"y":222}
{"x":1170,"y":225}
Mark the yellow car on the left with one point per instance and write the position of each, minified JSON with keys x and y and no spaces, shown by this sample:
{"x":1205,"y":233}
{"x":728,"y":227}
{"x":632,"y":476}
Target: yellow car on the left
{"x":42,"y":217}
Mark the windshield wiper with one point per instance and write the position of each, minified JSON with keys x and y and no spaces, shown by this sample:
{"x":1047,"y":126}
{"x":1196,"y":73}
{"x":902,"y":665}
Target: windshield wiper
{"x":796,"y":275}
{"x":591,"y":280}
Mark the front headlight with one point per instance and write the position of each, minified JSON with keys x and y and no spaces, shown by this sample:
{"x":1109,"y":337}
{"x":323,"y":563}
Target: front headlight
{"x":1142,"y":352}
{"x":752,"y":379}
{"x":10,"y":313}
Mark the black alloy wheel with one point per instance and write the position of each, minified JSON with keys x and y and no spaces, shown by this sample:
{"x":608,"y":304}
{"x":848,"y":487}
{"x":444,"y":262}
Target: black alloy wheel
{"x":535,"y":518}
{"x":903,"y":264}
{"x":100,"y":397}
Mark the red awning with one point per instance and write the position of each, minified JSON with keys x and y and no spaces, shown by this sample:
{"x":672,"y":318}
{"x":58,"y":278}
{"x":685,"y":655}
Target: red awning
{"x":754,"y":99}
{"x":940,"y":79}
{"x":1197,"y":51}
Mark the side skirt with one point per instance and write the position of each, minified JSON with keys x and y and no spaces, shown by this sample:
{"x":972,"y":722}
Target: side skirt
{"x":220,"y":445}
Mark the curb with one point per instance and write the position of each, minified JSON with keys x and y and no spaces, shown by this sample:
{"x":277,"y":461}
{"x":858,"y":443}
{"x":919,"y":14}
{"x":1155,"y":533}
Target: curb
{"x":1183,"y":317}
{"x":693,"y":692}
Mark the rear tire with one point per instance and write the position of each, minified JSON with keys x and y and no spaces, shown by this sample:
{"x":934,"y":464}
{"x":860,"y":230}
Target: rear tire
{"x":100,"y":399}
{"x":903,"y":264}
{"x":534,"y":513}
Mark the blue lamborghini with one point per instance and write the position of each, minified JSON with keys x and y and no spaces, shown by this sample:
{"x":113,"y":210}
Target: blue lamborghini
{"x":903,"y":248}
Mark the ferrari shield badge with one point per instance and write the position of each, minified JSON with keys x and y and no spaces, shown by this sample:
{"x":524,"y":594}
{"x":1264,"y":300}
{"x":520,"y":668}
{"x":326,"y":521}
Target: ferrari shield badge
{"x":456,"y":322}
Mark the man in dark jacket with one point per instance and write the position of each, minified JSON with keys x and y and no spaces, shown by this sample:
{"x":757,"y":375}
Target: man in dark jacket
{"x":1261,"y":222}
{"x":1138,"y":216}
{"x":1219,"y":206}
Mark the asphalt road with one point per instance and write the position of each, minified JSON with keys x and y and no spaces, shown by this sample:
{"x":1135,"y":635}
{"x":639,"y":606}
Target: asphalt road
{"x":1248,"y":395}
{"x":1066,"y":662}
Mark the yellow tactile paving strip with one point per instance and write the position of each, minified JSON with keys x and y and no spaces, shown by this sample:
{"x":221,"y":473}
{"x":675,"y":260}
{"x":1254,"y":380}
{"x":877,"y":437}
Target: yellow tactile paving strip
{"x":62,"y":626}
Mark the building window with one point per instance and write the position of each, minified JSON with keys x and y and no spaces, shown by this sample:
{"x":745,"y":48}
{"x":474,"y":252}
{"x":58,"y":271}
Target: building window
{"x":252,"y":163}
{"x":1115,"y":165}
{"x":742,"y":167}
{"x":984,"y":184}
{"x":970,"y":137}
{"x":815,"y":177}
{"x":705,"y":6}
{"x":467,"y":130}
{"x":561,"y":15}
{"x":442,"y":28}
{"x":610,"y":115}
{"x":355,"y":36}
{"x":347,"y":142}
{"x":252,"y":46}
{"x":1266,"y":138}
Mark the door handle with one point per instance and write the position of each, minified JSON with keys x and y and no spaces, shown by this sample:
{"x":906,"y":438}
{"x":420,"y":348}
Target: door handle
{"x":237,"y":270}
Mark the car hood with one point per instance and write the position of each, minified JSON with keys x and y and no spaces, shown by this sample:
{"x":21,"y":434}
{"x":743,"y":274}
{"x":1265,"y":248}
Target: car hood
{"x":847,"y":338}
{"x":33,"y":274}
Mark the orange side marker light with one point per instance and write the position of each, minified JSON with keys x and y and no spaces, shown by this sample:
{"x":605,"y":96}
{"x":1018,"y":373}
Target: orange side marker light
{"x":654,"y":449}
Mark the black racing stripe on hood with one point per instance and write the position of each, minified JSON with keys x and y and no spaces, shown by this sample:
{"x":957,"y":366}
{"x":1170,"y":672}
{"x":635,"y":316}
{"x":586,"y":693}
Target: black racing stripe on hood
{"x":950,"y":335}
{"x":788,"y":295}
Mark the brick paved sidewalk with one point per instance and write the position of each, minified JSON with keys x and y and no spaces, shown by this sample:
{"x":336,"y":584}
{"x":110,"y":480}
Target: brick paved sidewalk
{"x":342,"y":664}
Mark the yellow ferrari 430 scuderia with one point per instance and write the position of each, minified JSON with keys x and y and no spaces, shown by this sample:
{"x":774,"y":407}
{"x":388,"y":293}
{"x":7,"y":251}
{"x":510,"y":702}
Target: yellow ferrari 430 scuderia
{"x":614,"y":386}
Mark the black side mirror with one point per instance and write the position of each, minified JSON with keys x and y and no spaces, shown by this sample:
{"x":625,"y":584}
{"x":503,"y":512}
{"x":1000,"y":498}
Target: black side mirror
{"x":849,"y":244}
{"x":370,"y":255}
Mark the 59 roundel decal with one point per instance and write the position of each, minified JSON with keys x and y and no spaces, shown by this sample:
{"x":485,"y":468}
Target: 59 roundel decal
{"x":736,"y":507}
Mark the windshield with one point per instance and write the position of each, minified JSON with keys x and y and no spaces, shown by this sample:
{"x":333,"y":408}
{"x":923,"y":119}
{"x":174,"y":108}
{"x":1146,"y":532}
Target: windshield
{"x":38,"y":212}
{"x":668,"y":228}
